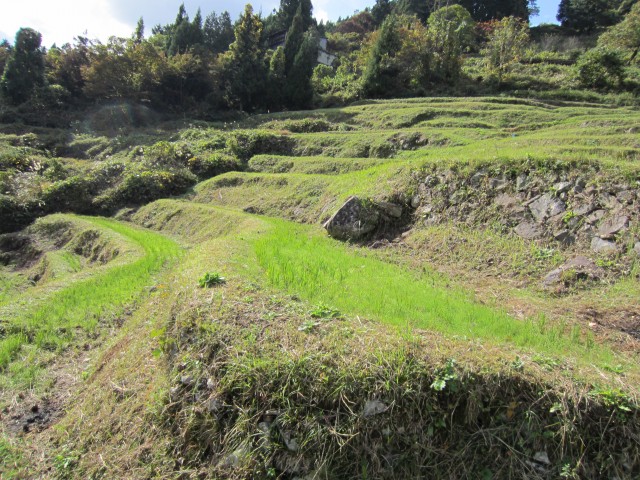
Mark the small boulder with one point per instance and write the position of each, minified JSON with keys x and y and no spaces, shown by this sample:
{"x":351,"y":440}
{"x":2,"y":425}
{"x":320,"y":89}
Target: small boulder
{"x":562,"y":187}
{"x":626,"y":196}
{"x":599,"y":245}
{"x":578,"y":268}
{"x":355,"y":219}
{"x":506,"y":201}
{"x":521,"y":182}
{"x":546,"y":206}
{"x":636,"y":248}
{"x":595,"y":217}
{"x":528,"y":231}
{"x":564,"y":236}
{"x":374,"y":407}
{"x":390,"y":209}
{"x":499,"y":183}
{"x":609,"y":201}
{"x":610,"y":227}
{"x":584,"y":209}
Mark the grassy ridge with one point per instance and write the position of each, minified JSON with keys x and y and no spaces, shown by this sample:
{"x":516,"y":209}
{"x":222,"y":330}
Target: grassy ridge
{"x":52,"y":323}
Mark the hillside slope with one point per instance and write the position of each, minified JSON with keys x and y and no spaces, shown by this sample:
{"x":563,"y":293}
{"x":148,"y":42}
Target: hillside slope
{"x":485,"y":326}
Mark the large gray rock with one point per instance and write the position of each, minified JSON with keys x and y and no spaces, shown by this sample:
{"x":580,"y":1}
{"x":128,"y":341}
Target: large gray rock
{"x":599,"y":245}
{"x":355,"y":219}
{"x":636,"y":248}
{"x":546,"y":206}
{"x":611,"y":226}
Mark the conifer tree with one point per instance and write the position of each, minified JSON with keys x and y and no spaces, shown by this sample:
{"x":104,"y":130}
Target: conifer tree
{"x":245,"y":61}
{"x":381,"y":69}
{"x":138,"y":34}
{"x":277,"y":81}
{"x":293,"y":40}
{"x":24,"y":71}
{"x":289,"y":9}
{"x":218,"y":32}
{"x":299,"y":90}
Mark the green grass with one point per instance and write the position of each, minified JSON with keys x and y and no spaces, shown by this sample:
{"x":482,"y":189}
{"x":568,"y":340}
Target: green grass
{"x":302,"y":261}
{"x":53,"y":323}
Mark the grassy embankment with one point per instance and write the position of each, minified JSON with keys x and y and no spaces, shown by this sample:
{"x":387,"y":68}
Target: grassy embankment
{"x":48,"y":318}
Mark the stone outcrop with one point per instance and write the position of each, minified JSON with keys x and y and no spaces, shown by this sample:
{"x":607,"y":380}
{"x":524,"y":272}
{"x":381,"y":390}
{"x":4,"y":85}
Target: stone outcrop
{"x":578,"y":268}
{"x":576,"y":207}
{"x":358,"y":218}
{"x":355,"y":219}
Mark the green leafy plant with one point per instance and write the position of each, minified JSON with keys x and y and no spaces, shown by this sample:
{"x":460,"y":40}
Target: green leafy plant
{"x":211,"y":279}
{"x":323,"y":311}
{"x":445,"y":377}
{"x":568,"y":216}
{"x":308,"y":326}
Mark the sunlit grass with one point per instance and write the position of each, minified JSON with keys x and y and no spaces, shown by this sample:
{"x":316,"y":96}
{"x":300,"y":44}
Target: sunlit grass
{"x":301,"y":261}
{"x":53,"y":323}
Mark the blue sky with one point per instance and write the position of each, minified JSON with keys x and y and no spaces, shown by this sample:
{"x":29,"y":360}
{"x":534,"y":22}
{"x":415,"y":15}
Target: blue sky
{"x":62,"y":20}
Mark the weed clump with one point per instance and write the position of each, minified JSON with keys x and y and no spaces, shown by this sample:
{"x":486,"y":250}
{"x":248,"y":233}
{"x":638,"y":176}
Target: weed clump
{"x":211,"y":279}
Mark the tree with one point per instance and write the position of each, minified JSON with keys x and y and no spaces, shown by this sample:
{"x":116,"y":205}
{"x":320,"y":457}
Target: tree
{"x":289,"y":9}
{"x":65,"y":66}
{"x":24,"y":71}
{"x":451,"y":32}
{"x":624,"y":36}
{"x":277,"y":79}
{"x":5,"y":53}
{"x":380,"y":11}
{"x":299,"y":90}
{"x":381,"y":70}
{"x":418,"y":8}
{"x":584,"y":16}
{"x":486,"y":10}
{"x":293,"y":40}
{"x":218,"y":32}
{"x":138,"y":34}
{"x":360,"y":24}
{"x":505,"y":46}
{"x":245,"y":63}
{"x":185,"y":34}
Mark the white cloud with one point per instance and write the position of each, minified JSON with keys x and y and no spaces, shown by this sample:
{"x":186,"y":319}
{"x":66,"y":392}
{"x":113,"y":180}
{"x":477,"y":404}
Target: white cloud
{"x":60,"y":21}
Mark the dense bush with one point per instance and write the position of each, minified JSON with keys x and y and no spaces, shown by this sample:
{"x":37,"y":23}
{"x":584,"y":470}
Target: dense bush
{"x":246,"y":144}
{"x":209,"y":165}
{"x":69,"y":195}
{"x":140,"y":187}
{"x":600,"y":68}
{"x":13,"y":215}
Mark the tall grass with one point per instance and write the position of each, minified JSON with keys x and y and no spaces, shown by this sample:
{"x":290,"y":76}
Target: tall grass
{"x":318,"y":269}
{"x":53,"y":323}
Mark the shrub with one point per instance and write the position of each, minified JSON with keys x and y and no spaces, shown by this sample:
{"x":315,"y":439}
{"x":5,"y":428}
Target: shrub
{"x":69,"y":195}
{"x":213,"y":164}
{"x":165,"y":154}
{"x":139,"y":187}
{"x":245,"y":145}
{"x":13,"y":216}
{"x":600,"y":68}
